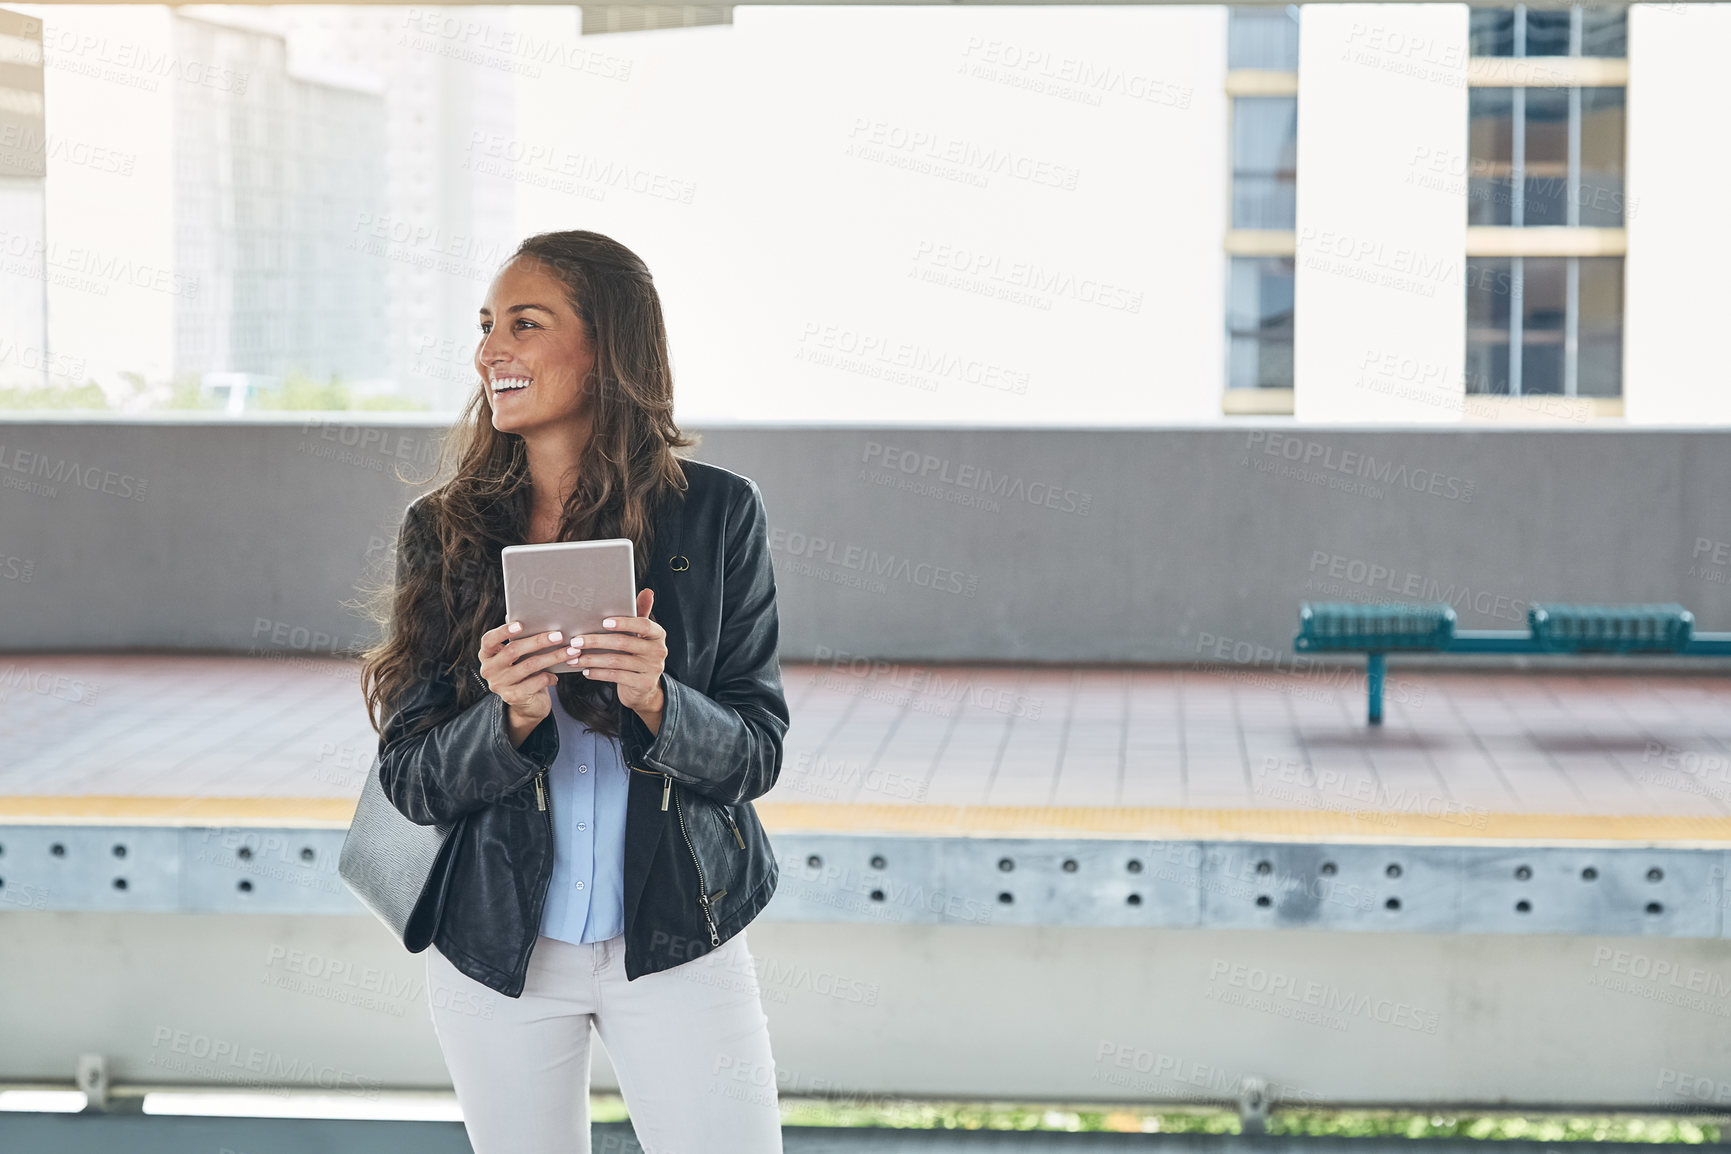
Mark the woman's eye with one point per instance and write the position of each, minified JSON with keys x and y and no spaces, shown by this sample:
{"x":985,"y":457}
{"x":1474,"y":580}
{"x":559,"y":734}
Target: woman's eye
{"x":486,"y":326}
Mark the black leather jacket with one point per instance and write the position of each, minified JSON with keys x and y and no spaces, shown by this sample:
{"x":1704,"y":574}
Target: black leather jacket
{"x":698,"y":866}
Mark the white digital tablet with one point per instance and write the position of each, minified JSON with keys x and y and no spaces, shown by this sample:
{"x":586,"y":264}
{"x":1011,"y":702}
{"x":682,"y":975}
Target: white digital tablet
{"x":569,"y":586}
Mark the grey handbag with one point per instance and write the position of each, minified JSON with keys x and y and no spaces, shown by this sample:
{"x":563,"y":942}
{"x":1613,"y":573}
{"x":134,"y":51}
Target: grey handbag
{"x":400,"y":870}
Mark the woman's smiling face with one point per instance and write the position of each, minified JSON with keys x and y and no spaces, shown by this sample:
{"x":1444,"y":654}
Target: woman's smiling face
{"x":534,"y":355}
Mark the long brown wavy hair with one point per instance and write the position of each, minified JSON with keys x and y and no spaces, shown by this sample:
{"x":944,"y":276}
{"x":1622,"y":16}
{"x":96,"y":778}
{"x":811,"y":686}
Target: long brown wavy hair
{"x":449,"y":587}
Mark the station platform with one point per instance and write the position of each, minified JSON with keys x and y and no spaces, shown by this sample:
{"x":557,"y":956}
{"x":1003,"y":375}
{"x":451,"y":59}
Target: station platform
{"x":1589,"y":803}
{"x":958,"y":750}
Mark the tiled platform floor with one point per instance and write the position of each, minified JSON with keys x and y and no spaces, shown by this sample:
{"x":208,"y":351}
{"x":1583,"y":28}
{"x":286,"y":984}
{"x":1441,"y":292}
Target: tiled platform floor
{"x":1105,"y":738}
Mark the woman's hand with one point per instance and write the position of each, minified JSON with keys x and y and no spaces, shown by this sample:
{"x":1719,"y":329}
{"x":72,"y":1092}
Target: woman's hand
{"x":520,"y":673}
{"x":632,"y":657}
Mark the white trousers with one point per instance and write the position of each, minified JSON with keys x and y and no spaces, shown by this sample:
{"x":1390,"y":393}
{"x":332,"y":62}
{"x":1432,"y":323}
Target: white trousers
{"x":690,"y":1046}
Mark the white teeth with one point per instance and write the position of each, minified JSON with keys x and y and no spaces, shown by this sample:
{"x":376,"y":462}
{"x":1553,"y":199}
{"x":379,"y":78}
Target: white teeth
{"x":506,"y":386}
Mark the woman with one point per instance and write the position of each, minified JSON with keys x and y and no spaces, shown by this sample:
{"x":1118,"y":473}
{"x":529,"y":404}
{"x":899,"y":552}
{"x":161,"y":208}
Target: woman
{"x":608,"y":858}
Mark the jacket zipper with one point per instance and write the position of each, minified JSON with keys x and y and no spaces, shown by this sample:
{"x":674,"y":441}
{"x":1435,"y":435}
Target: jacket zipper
{"x":666,"y":783}
{"x":703,"y":898}
{"x":727,"y":812}
{"x":541,"y":804}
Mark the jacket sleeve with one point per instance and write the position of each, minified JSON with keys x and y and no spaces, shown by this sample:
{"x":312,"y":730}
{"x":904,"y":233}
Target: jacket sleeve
{"x":725,"y":741}
{"x":436,"y":774}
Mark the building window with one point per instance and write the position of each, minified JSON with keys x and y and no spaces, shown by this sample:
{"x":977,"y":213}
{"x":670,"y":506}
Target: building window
{"x":1263,"y":38}
{"x":1546,"y":157}
{"x":1600,"y":31}
{"x":1546,"y":201}
{"x":1259,"y":323}
{"x":1265,"y":162}
{"x":1565,"y":314}
{"x":1262,"y":92}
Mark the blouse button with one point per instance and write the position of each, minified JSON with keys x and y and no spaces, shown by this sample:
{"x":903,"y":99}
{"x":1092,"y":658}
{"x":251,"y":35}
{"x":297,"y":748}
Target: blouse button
{"x":582,"y":769}
{"x":582,"y":825}
{"x":579,"y":885}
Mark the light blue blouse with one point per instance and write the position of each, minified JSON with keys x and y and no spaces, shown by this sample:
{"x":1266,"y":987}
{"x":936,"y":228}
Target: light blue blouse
{"x":588,"y":782}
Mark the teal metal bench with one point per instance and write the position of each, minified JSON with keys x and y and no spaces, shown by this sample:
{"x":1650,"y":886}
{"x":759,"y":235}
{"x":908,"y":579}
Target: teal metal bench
{"x":1378,"y":630}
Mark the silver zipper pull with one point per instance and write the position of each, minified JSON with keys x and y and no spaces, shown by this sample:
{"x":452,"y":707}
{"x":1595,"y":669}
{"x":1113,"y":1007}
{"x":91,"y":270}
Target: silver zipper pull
{"x":666,"y":789}
{"x":540,"y":794}
{"x":714,"y":934}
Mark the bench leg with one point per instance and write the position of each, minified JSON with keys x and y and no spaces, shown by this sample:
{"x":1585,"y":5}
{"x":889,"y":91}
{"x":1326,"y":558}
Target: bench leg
{"x":1375,"y":669}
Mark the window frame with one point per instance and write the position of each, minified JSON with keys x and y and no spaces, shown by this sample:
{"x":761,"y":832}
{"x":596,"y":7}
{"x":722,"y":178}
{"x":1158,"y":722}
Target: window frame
{"x":1242,"y":243}
{"x":1517,"y":242}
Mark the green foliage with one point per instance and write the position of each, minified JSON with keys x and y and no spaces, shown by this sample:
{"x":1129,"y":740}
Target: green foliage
{"x":298,"y":392}
{"x":1492,"y":1127}
{"x":302,"y":393}
{"x":183,"y":393}
{"x":86,"y":396}
{"x":909,"y":1114}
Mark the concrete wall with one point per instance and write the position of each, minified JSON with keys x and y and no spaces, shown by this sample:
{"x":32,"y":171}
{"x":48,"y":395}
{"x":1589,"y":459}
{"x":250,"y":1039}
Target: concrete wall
{"x":1093,"y":545}
{"x":1137,"y":1015}
{"x":1674,"y":364}
{"x":1379,"y":289}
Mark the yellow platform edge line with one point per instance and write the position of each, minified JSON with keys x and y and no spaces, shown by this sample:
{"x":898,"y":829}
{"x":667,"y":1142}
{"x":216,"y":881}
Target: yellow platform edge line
{"x":1152,"y":822}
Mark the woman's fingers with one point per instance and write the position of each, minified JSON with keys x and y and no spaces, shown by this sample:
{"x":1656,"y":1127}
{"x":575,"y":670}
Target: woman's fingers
{"x":624,"y":640}
{"x":556,"y":660}
{"x":637,"y":626}
{"x":494,"y":639}
{"x":612,"y":642}
{"x":507,"y":664}
{"x":520,"y":666}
